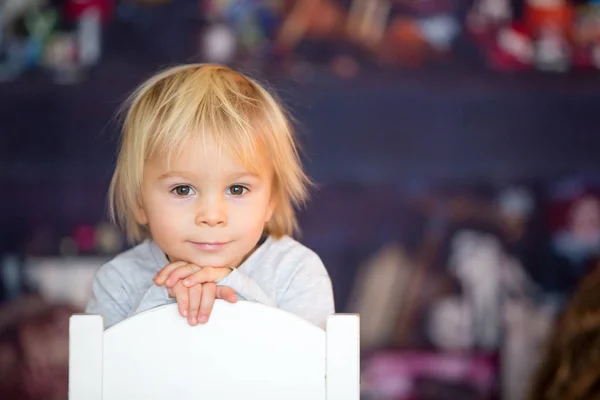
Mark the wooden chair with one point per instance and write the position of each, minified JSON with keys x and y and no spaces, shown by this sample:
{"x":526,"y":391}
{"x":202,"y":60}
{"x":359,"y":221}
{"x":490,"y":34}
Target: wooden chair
{"x":245,"y":351}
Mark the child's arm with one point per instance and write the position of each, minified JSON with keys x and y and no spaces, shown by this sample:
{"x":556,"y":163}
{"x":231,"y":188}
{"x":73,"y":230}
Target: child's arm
{"x":242,"y":284}
{"x":309,"y":293}
{"x":110,"y":297}
{"x":247,"y":288}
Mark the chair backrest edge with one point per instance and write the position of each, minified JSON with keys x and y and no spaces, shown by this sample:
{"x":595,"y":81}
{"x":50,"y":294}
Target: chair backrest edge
{"x":86,"y":337}
{"x":343,"y":357}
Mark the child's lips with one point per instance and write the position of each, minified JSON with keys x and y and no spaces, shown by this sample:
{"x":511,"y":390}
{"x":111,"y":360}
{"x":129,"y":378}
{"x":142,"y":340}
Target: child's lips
{"x":210,"y":246}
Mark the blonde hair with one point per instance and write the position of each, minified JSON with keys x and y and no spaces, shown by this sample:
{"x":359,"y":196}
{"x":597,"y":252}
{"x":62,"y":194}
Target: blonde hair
{"x":207,"y":100}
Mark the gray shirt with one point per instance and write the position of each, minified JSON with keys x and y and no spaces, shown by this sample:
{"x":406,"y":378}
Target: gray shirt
{"x":281,"y":273}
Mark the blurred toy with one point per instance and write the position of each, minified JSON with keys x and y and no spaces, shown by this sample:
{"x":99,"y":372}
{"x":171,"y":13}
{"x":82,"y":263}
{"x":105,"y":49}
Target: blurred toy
{"x":586,"y":35}
{"x":40,"y":24}
{"x":219,"y":44}
{"x":108,"y":239}
{"x":17,"y":51}
{"x":399,"y":32}
{"x":368,"y":19}
{"x":12,"y":10}
{"x":486,"y":14}
{"x":579,"y":239}
{"x":515,"y":207}
{"x":542,"y":39}
{"x":477,"y":261}
{"x":251,"y":23}
{"x":407,"y":32}
{"x":405,"y":44}
{"x":509,"y":48}
{"x":13,"y":59}
{"x":85,"y":237}
{"x":573,"y":219}
{"x":323,"y":19}
{"x":61,"y":58}
{"x":75,"y":9}
{"x":89,"y":36}
{"x":376,"y":291}
{"x":525,"y":336}
{"x":29,"y":36}
{"x":88,"y":16}
{"x":549,"y":23}
{"x":551,"y":35}
{"x":419,"y":375}
{"x":430,"y":36}
{"x":419,"y":31}
{"x":400,"y":40}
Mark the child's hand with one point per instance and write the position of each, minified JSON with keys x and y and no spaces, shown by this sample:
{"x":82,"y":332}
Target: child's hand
{"x":193,"y":274}
{"x":196,"y":303}
{"x":196,"y":295}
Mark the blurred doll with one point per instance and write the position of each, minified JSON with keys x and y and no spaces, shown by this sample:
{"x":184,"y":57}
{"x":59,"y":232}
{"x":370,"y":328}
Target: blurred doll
{"x":550,"y":23}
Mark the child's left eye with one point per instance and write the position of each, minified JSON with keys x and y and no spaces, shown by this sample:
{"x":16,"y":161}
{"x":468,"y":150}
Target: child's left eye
{"x":183,"y":190}
{"x":237,"y":190}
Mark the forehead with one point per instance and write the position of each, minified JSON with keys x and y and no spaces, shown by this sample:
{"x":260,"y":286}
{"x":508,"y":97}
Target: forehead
{"x":202,"y":153}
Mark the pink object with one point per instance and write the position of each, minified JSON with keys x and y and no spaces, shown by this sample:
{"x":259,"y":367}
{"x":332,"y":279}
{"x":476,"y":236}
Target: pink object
{"x":75,"y":8}
{"x":85,"y":237}
{"x":393,"y":374}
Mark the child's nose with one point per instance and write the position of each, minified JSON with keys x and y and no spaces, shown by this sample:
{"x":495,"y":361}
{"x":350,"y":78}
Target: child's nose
{"x":212,"y":212}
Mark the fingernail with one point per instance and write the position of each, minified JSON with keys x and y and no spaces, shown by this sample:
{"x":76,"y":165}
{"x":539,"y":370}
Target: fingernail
{"x":187,"y":282}
{"x":203,"y":319}
{"x":185,"y":313}
{"x":193,"y":321}
{"x":168,"y":282}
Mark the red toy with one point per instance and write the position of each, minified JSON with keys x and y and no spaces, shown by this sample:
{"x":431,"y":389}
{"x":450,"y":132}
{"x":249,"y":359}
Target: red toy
{"x":75,"y":8}
{"x":543,"y":39}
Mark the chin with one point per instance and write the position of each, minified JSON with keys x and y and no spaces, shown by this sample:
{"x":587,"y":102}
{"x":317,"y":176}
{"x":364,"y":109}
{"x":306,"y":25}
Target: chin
{"x":214,"y":262}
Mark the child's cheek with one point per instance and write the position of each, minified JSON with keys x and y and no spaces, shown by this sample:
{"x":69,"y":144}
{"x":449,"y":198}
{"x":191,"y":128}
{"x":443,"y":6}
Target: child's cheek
{"x":169,"y":219}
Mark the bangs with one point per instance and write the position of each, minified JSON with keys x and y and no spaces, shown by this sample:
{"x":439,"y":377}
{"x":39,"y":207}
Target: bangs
{"x":228,"y":111}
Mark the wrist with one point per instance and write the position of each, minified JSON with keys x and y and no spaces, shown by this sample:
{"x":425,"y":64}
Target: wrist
{"x":225,"y":272}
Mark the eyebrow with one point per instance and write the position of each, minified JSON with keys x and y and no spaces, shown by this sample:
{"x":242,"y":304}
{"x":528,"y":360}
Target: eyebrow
{"x":233,"y":176}
{"x":240,"y":175}
{"x":176,"y":174}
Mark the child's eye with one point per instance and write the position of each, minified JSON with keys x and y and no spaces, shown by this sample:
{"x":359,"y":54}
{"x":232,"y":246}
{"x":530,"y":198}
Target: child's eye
{"x":237,"y":190}
{"x":183,"y":190}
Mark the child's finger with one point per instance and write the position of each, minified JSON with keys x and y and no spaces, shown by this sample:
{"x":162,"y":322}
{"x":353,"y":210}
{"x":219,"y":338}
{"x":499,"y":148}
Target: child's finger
{"x":204,"y":275}
{"x":181,"y":295}
{"x":163,"y":274}
{"x":181,"y":272}
{"x":226,"y":293}
{"x":196,"y":295}
{"x":201,"y":276}
{"x":209,"y":291}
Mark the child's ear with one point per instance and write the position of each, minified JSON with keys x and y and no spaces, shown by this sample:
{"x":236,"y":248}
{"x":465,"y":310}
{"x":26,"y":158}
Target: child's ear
{"x":140,"y":214}
{"x":270,"y":209}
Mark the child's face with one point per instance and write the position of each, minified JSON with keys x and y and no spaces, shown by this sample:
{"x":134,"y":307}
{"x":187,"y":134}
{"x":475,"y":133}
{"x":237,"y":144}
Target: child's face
{"x":205,"y":208}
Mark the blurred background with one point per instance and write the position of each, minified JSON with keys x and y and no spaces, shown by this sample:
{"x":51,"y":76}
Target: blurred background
{"x":455,"y":144}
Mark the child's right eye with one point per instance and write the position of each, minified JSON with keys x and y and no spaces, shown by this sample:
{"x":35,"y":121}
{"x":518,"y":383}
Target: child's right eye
{"x":183,"y":190}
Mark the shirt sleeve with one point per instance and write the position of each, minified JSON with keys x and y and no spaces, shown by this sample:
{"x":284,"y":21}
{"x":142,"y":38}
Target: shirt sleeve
{"x":109,"y":296}
{"x":310,"y":293}
{"x":155,"y":296}
{"x":247,"y":288}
